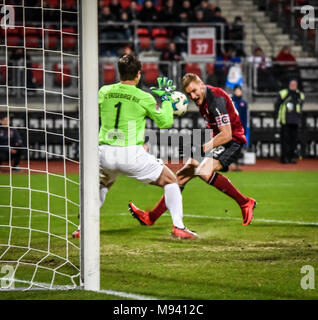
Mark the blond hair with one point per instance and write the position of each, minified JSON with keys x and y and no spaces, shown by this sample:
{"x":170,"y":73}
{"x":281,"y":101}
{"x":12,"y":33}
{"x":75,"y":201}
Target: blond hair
{"x":188,"y":78}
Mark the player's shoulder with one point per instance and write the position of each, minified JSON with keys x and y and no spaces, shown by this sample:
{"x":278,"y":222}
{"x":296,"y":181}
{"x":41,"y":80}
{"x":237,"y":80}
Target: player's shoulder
{"x":144,"y":96}
{"x":107,"y":87}
{"x":217,"y":91}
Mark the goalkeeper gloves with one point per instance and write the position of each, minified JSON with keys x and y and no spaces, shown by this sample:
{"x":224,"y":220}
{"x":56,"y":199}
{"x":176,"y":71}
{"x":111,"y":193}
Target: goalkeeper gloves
{"x":164,"y":89}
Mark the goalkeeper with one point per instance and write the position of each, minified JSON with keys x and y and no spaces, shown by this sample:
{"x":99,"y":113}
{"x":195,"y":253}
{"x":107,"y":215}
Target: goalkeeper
{"x":123,"y":111}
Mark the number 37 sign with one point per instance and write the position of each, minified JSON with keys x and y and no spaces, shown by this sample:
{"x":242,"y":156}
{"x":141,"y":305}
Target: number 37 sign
{"x":201,"y":42}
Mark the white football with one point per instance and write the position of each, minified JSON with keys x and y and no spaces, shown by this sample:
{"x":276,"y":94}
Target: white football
{"x":179,"y":103}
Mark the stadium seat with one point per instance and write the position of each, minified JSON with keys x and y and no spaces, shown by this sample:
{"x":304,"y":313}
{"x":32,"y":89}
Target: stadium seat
{"x":69,"y":40}
{"x":32,"y":42}
{"x":125,"y":4}
{"x":13,"y":41}
{"x":69,"y":4}
{"x":37,"y":73}
{"x":193,"y":68}
{"x":54,"y":4}
{"x":209,"y":68}
{"x":3,"y":73}
{"x":161,"y":43}
{"x":109,"y":73}
{"x":62,"y":72}
{"x":142,"y":32}
{"x":159,"y":32}
{"x":52,"y":39}
{"x":150,"y":73}
{"x":144,"y":43}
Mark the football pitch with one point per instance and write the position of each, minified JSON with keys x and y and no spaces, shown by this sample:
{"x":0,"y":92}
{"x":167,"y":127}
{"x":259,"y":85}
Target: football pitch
{"x":228,"y":261}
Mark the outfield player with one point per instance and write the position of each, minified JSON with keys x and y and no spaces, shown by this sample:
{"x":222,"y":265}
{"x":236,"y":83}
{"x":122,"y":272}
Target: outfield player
{"x":123,"y":110}
{"x":217,"y":109}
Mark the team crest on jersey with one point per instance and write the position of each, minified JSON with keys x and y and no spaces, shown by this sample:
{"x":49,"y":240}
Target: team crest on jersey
{"x":222,"y":120}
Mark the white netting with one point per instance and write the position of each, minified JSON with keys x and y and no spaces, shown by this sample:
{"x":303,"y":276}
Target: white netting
{"x":40,"y":94}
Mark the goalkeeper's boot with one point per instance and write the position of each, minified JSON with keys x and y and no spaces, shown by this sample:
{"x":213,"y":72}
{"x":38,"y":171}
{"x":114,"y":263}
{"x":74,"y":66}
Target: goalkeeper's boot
{"x":247,"y":211}
{"x":142,"y":216}
{"x":183,"y":233}
{"x":76,"y":234}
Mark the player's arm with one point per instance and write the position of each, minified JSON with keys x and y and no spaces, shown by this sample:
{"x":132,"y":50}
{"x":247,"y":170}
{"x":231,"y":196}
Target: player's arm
{"x":223,"y":121}
{"x":224,"y":136}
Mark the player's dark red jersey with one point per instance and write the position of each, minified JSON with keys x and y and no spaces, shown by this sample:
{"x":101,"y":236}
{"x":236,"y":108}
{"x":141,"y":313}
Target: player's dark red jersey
{"x":218,"y":110}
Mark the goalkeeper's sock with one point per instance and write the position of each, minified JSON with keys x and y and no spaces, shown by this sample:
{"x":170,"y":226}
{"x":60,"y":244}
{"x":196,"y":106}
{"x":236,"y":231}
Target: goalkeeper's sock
{"x":159,"y":209}
{"x":225,"y":185}
{"x":173,"y":199}
{"x":102,"y":194}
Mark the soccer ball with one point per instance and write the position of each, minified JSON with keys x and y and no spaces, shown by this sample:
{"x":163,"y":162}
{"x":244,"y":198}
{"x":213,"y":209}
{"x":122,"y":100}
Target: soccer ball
{"x":179,"y":103}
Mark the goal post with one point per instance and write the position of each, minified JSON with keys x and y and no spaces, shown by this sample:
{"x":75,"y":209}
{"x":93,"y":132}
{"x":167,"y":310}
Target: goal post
{"x":90,"y":233}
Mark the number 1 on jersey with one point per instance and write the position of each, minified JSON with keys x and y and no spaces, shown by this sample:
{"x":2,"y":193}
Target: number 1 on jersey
{"x":118,"y":105}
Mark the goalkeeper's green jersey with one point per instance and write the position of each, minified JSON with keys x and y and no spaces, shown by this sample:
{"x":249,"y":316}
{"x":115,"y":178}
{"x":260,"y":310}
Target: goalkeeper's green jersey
{"x":123,"y":110}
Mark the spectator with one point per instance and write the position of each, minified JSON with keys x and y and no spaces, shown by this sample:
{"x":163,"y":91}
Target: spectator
{"x":148,"y":13}
{"x":185,"y":15}
{"x":108,"y":31}
{"x":125,"y":30}
{"x":222,"y":27}
{"x":199,"y":16}
{"x":185,"y":12}
{"x":223,"y":62}
{"x":288,"y":111}
{"x":286,"y":67}
{"x":132,"y":11}
{"x":242,"y":107}
{"x":115,"y":8}
{"x":10,"y":143}
{"x":16,"y":75}
{"x":207,"y":12}
{"x":170,"y":54}
{"x":237,"y":35}
{"x":263,"y":67}
{"x":168,"y":13}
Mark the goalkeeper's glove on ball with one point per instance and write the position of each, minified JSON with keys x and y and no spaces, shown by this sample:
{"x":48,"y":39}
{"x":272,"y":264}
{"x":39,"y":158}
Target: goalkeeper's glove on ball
{"x":164,"y":89}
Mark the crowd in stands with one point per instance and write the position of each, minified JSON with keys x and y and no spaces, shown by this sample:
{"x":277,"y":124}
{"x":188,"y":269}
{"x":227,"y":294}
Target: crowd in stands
{"x":117,"y":36}
{"x":113,"y":14}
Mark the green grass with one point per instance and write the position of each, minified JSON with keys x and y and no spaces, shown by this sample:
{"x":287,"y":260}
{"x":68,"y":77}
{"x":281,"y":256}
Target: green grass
{"x":228,"y":261}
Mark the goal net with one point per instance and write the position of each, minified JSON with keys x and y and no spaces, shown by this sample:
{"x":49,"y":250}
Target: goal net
{"x":40,"y":144}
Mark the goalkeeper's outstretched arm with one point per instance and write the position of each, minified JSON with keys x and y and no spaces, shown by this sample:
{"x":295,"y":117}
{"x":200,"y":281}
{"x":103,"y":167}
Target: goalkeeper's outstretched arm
{"x":163,"y":115}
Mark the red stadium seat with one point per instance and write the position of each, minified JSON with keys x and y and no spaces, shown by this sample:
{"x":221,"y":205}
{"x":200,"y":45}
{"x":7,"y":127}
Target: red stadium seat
{"x":209,"y":68}
{"x":69,"y":40}
{"x":62,"y":74}
{"x":125,"y":4}
{"x":150,"y":73}
{"x":161,"y":43}
{"x":37,"y":73}
{"x":159,"y":32}
{"x":142,"y":32}
{"x":32,"y":41}
{"x":54,"y":4}
{"x":193,"y":68}
{"x":69,"y":4}
{"x":13,"y":41}
{"x":52,"y":39}
{"x":144,"y":43}
{"x":3,"y":74}
{"x":109,"y":73}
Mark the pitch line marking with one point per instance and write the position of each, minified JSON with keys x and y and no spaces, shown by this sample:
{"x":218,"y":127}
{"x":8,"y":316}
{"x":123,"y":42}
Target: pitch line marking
{"x":126,"y":295}
{"x":254,"y":220}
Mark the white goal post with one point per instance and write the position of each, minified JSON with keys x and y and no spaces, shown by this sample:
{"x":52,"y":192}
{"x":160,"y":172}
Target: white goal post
{"x":50,"y":96}
{"x":90,"y":252}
